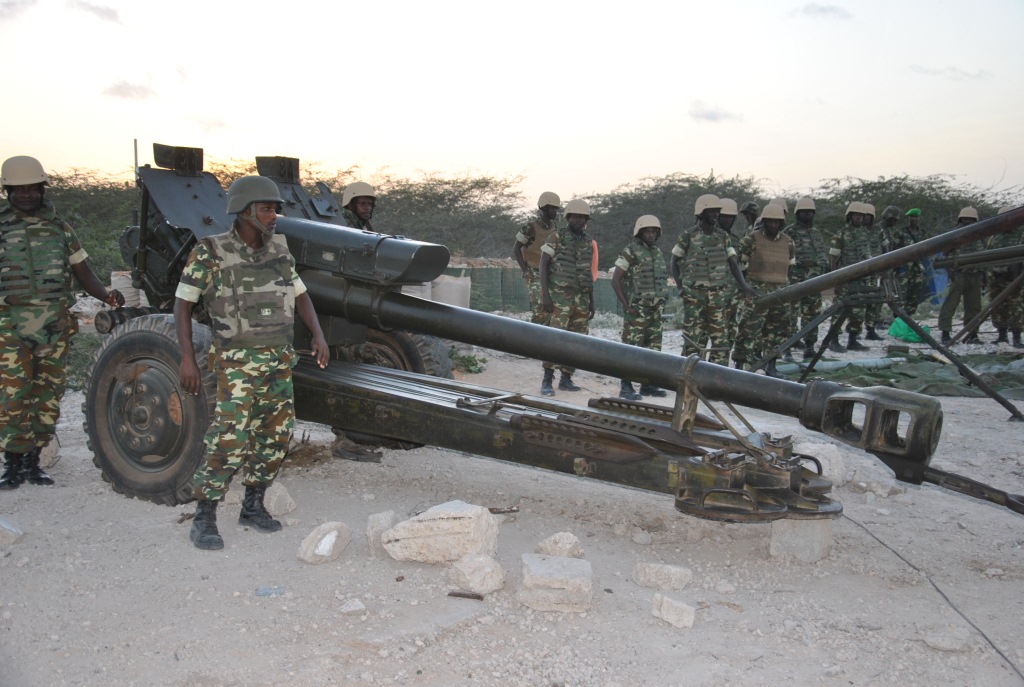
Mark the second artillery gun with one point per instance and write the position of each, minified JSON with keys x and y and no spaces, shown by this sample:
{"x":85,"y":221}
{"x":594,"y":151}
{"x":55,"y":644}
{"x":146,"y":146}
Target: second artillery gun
{"x":146,"y":434}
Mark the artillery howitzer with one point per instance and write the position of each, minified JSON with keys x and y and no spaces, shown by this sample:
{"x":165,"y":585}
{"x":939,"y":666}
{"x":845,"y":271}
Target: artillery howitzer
{"x":146,"y":434}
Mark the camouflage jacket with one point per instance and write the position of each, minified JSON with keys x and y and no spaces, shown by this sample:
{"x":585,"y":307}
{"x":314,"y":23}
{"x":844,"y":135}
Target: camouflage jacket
{"x":645,"y":276}
{"x":250,"y":294}
{"x":533,"y":236}
{"x":571,"y":259}
{"x":810,"y":249}
{"x":704,"y":258}
{"x":901,"y":237}
{"x":352,"y":220}
{"x":851,"y":245}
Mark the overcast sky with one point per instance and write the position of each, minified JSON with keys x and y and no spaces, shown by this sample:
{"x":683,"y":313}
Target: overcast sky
{"x":576,"y":97}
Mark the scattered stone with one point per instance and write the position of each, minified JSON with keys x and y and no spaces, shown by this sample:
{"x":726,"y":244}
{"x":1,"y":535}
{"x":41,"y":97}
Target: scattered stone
{"x":641,"y":536}
{"x":661,"y":575}
{"x":352,"y":607}
{"x":994,"y":572}
{"x":947,"y":638}
{"x":673,"y":612}
{"x":442,"y":534}
{"x":9,"y":532}
{"x":561,"y":544}
{"x":478,"y":573}
{"x":808,"y":541}
{"x":376,"y":525}
{"x":325,"y":543}
{"x":278,"y":501}
{"x":556,"y":583}
{"x":726,"y":587}
{"x":50,"y":455}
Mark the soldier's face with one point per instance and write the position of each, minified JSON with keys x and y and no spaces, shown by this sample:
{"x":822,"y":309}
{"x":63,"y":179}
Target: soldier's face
{"x":772,"y":227}
{"x":805,"y":217}
{"x":576,"y":222}
{"x":649,"y":235}
{"x":856,"y":219}
{"x":265,"y":214}
{"x":708,"y":219}
{"x":363,"y":207}
{"x":914,"y":222}
{"x":27,"y":198}
{"x":549,"y":213}
{"x":726,"y":221}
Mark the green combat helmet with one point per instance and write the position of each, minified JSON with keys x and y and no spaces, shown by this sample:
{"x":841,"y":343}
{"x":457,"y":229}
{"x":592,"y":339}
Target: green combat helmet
{"x":252,"y":189}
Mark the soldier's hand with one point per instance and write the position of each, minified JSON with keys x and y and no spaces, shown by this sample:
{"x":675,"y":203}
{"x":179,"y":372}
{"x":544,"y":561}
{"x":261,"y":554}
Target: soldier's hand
{"x":114,"y":299}
{"x":633,"y":311}
{"x":190,"y":378}
{"x":321,"y":352}
{"x":750,"y":294}
{"x":547,"y":304}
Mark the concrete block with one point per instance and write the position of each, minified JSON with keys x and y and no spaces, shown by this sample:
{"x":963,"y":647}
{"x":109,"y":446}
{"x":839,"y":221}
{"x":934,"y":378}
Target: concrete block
{"x":808,"y":541}
{"x":376,"y":525}
{"x":673,"y":611}
{"x":477,"y":573}
{"x":661,"y":575}
{"x":443,"y":534}
{"x":556,"y":583}
{"x":561,"y":544}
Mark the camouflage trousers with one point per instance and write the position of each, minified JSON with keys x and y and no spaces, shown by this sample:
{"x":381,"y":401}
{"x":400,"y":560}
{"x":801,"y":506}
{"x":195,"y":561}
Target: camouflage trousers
{"x":733,"y":312}
{"x":705,"y":320}
{"x":911,"y":283}
{"x":762,"y":329}
{"x":252,"y":422}
{"x":32,"y":381}
{"x":1008,"y":315}
{"x":855,"y":315}
{"x":539,"y":316}
{"x":645,"y":329}
{"x":572,"y":313}
{"x":803,"y":312}
{"x":965,"y":285}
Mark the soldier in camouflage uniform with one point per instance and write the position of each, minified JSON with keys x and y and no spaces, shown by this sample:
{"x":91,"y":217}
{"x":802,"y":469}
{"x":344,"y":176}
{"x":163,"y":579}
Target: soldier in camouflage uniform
{"x":811,"y":252}
{"x":639,"y":279}
{"x":728,"y":225}
{"x":703,"y":265}
{"x":770,"y":255}
{"x":876,"y":238}
{"x":750,"y":212}
{"x":567,"y":285}
{"x":851,"y":245}
{"x":247,"y":280}
{"x":1008,"y":315}
{"x":965,"y":284}
{"x":357,"y":204}
{"x":910,"y":276}
{"x":527,"y":251}
{"x":40,"y":257}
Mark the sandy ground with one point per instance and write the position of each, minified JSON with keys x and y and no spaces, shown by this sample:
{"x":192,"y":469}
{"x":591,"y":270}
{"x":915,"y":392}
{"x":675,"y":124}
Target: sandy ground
{"x":921,"y":587}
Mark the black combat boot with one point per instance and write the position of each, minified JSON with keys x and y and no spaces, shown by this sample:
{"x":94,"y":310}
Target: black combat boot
{"x":30,"y":470}
{"x":1016,"y":339}
{"x":853,"y":345}
{"x":255,"y":513}
{"x":545,"y":386}
{"x":972,"y":338}
{"x":872,"y":335}
{"x":626,"y":391}
{"x":204,"y":532}
{"x":565,"y":383}
{"x":946,"y":338}
{"x":1002,"y":337}
{"x":738,"y":364}
{"x":808,"y":351}
{"x":788,"y":356}
{"x":835,"y":346}
{"x":11,"y":479}
{"x":651,"y":390}
{"x":771,"y":370}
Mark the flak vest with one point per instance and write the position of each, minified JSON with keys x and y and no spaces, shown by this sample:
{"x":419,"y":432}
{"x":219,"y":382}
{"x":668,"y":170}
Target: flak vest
{"x":571,"y":264}
{"x":705,"y":261}
{"x":532,"y":252}
{"x":256,"y":305}
{"x":769,"y":261}
{"x":648,"y":277}
{"x":34,"y":266}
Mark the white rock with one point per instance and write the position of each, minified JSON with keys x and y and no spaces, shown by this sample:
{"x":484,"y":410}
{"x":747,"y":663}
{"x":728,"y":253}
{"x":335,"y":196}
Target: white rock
{"x":478,"y":573}
{"x":673,"y":612}
{"x":560,"y":544}
{"x":325,"y":543}
{"x":442,"y":534}
{"x":9,"y":532}
{"x":376,"y":525}
{"x":947,"y":639}
{"x":808,"y":541}
{"x":661,"y":575}
{"x":50,"y":455}
{"x":556,"y":583}
{"x":352,"y":607}
{"x":277,"y":499}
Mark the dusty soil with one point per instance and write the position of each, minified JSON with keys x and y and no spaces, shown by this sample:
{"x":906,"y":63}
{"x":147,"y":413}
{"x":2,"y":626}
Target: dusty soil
{"x":922,"y":587}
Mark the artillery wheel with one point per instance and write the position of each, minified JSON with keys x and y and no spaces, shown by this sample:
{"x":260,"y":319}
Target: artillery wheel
{"x":411,"y":352}
{"x":146,"y":435}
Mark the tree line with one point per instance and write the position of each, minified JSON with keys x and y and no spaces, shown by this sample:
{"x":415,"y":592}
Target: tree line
{"x":478,"y":216}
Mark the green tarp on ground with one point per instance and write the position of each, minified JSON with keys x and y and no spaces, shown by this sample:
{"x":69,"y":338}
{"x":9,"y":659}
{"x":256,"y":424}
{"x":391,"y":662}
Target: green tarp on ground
{"x":1005,"y":373}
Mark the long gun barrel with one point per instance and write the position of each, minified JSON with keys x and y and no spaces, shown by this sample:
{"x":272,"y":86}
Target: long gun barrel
{"x":943,"y":242}
{"x":983,"y":259}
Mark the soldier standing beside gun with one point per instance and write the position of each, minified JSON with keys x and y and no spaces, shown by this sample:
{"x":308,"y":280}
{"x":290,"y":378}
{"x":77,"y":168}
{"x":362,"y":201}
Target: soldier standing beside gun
{"x":1008,"y":315}
{"x":40,"y":255}
{"x":727,"y":223}
{"x":963,"y":284}
{"x":357,"y":204}
{"x":812,"y":261}
{"x":770,"y":254}
{"x":701,"y":263}
{"x":911,"y":275}
{"x":851,"y":245}
{"x":567,"y":285}
{"x":527,"y":251}
{"x":248,"y":283}
{"x":639,"y":280}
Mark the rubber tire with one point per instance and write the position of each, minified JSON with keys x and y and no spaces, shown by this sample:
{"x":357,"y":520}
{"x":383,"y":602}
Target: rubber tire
{"x":413,"y":352}
{"x":152,"y":452}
